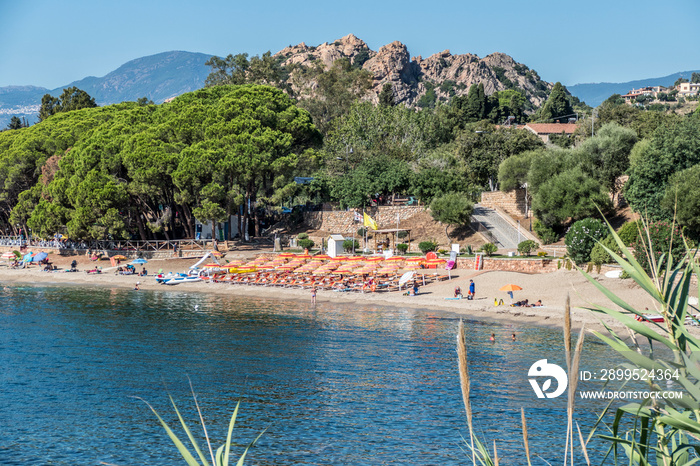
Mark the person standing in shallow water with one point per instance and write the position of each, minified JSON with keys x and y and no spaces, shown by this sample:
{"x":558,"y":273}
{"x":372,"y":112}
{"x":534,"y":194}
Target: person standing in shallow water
{"x":313,"y":295}
{"x":493,"y":337}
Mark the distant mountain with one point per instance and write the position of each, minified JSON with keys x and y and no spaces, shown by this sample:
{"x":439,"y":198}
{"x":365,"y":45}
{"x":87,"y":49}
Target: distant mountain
{"x":157,"y":77}
{"x":595,"y":93}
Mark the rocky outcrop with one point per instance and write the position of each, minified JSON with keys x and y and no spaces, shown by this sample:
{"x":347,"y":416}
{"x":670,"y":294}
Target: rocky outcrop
{"x":349,"y":47}
{"x":411,"y":78}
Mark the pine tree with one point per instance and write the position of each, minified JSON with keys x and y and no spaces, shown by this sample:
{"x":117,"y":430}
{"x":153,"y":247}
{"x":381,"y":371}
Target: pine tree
{"x":558,"y":107}
{"x":476,"y":103}
{"x":15,"y":123}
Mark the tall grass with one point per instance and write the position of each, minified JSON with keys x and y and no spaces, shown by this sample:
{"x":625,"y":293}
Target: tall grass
{"x":221,"y":457}
{"x":480,"y":454}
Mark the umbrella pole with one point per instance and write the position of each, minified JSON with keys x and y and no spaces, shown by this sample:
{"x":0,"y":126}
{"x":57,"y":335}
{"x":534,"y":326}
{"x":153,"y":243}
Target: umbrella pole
{"x":423,"y":279}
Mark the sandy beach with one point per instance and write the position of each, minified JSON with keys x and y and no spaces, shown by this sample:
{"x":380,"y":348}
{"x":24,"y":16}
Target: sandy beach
{"x":552,"y":289}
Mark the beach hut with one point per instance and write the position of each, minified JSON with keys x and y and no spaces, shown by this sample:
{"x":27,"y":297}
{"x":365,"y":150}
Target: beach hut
{"x":335,"y":245}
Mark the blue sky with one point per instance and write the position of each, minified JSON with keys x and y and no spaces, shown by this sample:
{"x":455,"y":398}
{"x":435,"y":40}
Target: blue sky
{"x":52,"y":43}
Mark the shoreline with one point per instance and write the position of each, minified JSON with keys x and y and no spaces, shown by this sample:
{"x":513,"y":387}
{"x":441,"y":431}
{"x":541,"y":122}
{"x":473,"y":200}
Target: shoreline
{"x":551,"y":288}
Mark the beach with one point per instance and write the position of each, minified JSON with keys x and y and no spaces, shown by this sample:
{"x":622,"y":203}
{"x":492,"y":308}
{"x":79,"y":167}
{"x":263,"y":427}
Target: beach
{"x":552,"y":289}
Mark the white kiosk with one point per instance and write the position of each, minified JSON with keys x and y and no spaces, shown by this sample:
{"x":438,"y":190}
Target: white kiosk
{"x":335,"y":245}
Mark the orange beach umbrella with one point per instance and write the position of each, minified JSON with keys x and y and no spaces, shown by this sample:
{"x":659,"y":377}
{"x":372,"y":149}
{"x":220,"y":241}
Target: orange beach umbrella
{"x":510,"y":287}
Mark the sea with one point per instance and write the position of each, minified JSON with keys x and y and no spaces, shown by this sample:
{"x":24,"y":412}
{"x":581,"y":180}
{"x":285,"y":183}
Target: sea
{"x":325,"y":384}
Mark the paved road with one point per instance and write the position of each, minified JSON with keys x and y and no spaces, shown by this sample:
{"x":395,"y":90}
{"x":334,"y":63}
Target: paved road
{"x":505,"y":233}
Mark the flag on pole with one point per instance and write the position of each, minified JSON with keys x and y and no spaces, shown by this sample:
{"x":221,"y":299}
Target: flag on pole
{"x":369,"y":222}
{"x":358,"y":217}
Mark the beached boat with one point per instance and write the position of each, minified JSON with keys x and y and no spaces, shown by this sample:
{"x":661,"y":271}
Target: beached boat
{"x":182,"y":279}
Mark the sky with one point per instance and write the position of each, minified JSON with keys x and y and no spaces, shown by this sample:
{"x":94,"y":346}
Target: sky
{"x":51,"y":43}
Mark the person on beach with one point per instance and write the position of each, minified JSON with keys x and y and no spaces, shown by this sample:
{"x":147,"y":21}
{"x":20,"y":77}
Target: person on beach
{"x":458,"y":292}
{"x":136,"y":287}
{"x":493,"y":337}
{"x":472,"y":290}
{"x":313,"y":295}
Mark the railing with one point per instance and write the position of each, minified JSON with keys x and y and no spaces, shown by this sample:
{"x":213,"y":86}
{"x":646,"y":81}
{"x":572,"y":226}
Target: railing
{"x":480,"y":228}
{"x":110,"y":245}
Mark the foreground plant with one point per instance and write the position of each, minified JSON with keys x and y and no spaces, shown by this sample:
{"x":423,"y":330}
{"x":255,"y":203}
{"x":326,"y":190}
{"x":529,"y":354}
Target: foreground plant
{"x":662,"y":428}
{"x":223,"y":453}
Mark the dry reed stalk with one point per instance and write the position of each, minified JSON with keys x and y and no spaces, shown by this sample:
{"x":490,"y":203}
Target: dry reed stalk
{"x":573,"y":384}
{"x":525,"y":439}
{"x":583,"y":445}
{"x":567,"y":348}
{"x":495,"y":454}
{"x":464,"y":381}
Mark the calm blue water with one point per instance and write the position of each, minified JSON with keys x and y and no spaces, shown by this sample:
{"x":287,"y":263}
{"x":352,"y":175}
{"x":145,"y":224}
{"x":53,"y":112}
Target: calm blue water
{"x":334,"y":384}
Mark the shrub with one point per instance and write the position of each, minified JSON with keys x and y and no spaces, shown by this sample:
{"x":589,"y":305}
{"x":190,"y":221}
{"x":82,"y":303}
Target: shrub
{"x":427,"y":246}
{"x":361,"y":232}
{"x":303,"y":236}
{"x":305,"y":243}
{"x":443,"y":251}
{"x":489,"y":249}
{"x":581,"y":238}
{"x":629,"y":232}
{"x":600,"y":256}
{"x":527,"y":246}
{"x":349,"y":245}
{"x":541,"y":254}
{"x":467,"y":249}
{"x":402,"y":248}
{"x":402,"y":234}
{"x":546,"y":234}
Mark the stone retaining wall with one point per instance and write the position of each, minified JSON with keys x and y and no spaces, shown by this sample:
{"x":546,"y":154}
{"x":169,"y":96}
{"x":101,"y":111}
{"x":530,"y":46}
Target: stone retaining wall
{"x":343,"y":222}
{"x":511,"y":265}
{"x":511,"y":202}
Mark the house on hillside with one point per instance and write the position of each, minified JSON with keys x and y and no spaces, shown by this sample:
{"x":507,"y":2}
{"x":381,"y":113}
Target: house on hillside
{"x":544,"y":130}
{"x":688,"y":89}
{"x":653,"y":91}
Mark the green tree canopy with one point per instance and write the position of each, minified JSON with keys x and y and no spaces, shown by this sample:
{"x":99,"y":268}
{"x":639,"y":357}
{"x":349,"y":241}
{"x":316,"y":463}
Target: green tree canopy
{"x":129,"y":169}
{"x":558,"y":105}
{"x":569,"y":195}
{"x":451,"y":209}
{"x":672,"y":148}
{"x":683,"y":198}
{"x":483,"y":148}
{"x":72,"y":98}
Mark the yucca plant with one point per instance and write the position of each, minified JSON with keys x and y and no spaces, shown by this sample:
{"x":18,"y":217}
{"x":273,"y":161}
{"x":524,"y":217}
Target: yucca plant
{"x":222,"y":455}
{"x":664,"y":431}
